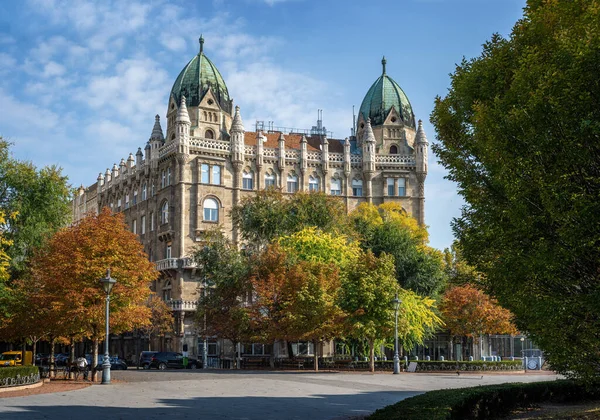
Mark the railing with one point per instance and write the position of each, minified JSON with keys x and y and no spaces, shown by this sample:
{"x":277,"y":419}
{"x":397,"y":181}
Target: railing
{"x":313,"y":156}
{"x":166,"y":149}
{"x":209,"y":144}
{"x":182,"y":305}
{"x":395,"y":159}
{"x":336,"y":157}
{"x":175,"y":263}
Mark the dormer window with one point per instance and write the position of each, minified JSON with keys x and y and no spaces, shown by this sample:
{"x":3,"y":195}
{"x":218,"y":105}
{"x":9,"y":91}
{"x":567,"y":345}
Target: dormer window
{"x":393,"y":149}
{"x":209,"y":134}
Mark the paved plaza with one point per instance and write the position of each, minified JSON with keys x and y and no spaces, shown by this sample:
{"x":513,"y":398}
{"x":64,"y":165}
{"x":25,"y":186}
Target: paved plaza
{"x":139,"y":394}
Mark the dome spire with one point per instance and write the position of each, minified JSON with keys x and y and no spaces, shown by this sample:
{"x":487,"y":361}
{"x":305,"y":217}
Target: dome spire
{"x":201,"y":44}
{"x":383,"y":63}
{"x":237,"y":126}
{"x":157,"y":133}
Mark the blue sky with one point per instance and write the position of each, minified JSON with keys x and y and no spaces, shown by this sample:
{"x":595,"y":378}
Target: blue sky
{"x":81,"y":81}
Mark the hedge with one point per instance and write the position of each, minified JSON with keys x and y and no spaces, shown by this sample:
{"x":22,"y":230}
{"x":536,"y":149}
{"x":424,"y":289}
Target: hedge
{"x":485,"y":402}
{"x":424,"y":366}
{"x":19,"y":375}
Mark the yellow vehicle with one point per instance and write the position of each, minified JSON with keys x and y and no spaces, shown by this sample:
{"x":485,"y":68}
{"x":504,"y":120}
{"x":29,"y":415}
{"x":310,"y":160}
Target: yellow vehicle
{"x":13,"y":358}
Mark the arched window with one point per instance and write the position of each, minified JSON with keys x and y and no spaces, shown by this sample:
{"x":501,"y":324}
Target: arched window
{"x":247,"y":180}
{"x":205,"y":116}
{"x":135,"y":194}
{"x":216,"y":175}
{"x":168,"y":176}
{"x":209,"y":134}
{"x":393,"y":149}
{"x":292,"y":183}
{"x":336,"y":186}
{"x":269,"y":180}
{"x":163,"y":179}
{"x":357,"y":187}
{"x":313,"y":183}
{"x":144,"y":191}
{"x":164,"y":213}
{"x":211,"y":210}
{"x":153,"y":190}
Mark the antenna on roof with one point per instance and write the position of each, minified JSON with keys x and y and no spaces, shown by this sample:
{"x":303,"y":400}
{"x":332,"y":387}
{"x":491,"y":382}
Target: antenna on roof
{"x":353,"y":129}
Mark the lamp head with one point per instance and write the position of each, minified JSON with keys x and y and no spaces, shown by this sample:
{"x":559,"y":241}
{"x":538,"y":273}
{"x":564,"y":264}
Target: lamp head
{"x":396,"y":302}
{"x":107,"y":282}
{"x":522,"y":339}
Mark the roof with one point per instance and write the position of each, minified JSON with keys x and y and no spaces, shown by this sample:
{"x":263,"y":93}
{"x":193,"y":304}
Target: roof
{"x":382,"y":96}
{"x":292,"y":141}
{"x":197,"y":77}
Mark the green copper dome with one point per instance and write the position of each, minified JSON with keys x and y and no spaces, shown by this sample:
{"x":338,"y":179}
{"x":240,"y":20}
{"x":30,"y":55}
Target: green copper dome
{"x":384,"y":94}
{"x":197,"y":77}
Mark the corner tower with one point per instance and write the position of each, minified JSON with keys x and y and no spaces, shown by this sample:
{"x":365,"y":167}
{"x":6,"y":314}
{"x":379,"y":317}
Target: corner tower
{"x":391,"y":115}
{"x":207,"y":98}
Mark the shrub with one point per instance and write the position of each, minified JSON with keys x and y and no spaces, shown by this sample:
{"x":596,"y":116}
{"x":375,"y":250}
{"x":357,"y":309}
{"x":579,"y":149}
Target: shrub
{"x":18,"y":375}
{"x":485,"y":402}
{"x":423,"y":365}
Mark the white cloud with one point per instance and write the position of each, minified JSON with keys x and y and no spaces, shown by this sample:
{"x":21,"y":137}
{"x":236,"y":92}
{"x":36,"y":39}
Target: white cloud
{"x":173,"y":42}
{"x":7,"y":63}
{"x":52,"y":69}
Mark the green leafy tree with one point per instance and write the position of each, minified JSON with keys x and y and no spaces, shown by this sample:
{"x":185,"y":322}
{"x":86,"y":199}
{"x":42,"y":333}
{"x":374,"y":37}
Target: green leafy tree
{"x":519,"y":133}
{"x":269,"y":214}
{"x":222,"y":306}
{"x":388,"y":228}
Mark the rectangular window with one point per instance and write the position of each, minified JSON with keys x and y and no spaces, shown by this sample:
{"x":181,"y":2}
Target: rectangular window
{"x":204,"y":172}
{"x":292,"y":185}
{"x":211,"y":349}
{"x":302,"y":348}
{"x":127,"y":201}
{"x":357,"y":191}
{"x":216,"y":175}
{"x":134,"y":226}
{"x":168,"y":176}
{"x":390,"y":187}
{"x":119,"y":204}
{"x":143,"y":221}
{"x":163,"y":179}
{"x":401,"y":187}
{"x":211,"y":215}
{"x":336,"y":186}
{"x":151,"y":221}
{"x":269,"y":180}
{"x":168,"y":252}
{"x":153,"y":190}
{"x":247,"y":183}
{"x":134,"y":198}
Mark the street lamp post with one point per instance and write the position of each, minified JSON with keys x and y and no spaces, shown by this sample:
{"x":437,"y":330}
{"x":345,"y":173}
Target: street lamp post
{"x":396,"y":303}
{"x":523,"y":354}
{"x":107,"y":283}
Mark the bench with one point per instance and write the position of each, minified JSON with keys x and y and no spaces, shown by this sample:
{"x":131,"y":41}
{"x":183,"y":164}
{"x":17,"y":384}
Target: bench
{"x":295,"y":364}
{"x":253,"y":363}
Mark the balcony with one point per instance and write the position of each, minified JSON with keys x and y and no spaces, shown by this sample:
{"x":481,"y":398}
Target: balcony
{"x":182,"y":305}
{"x":174,"y":263}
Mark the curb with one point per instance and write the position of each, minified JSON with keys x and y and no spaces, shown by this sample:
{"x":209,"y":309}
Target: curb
{"x":22,"y":387}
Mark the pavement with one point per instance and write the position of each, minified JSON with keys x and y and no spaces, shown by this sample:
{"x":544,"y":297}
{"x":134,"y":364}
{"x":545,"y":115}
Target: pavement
{"x":213,"y":394}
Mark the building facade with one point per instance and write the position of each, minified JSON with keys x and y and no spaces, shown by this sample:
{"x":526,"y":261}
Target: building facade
{"x":184,"y":183}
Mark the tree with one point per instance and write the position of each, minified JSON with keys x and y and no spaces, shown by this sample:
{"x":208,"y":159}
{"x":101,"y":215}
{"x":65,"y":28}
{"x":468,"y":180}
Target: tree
{"x":458,"y":271}
{"x":37,"y":201}
{"x":388,"y":228}
{"x":222,"y":306}
{"x":161,"y":319}
{"x":75,"y":258}
{"x":366,"y":297}
{"x":295,"y":300}
{"x":267,"y":215}
{"x":519,"y":133}
{"x":469,"y":312}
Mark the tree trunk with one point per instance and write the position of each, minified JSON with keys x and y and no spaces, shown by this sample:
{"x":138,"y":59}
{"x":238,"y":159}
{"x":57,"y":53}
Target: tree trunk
{"x":316,"y":356}
{"x":34,"y":345}
{"x":51,"y":365}
{"x":72,"y":357}
{"x":451,"y":349}
{"x":372,"y":356}
{"x":94,"y":359}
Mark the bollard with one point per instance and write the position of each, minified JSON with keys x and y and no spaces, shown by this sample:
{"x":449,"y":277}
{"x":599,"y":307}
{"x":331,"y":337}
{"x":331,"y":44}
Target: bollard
{"x":428,"y":358}
{"x":539,"y":363}
{"x":470,"y":358}
{"x":442,"y":358}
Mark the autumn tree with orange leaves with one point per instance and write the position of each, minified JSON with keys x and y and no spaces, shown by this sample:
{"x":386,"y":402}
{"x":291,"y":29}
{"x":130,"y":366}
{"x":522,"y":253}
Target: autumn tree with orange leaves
{"x":69,"y":269}
{"x":469,"y":312}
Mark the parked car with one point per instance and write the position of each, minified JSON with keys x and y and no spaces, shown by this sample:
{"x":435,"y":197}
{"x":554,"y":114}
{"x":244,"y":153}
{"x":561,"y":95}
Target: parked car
{"x":172,"y":360}
{"x":42,"y":358}
{"x":61,"y":359}
{"x":145,"y":359}
{"x":115,"y":362}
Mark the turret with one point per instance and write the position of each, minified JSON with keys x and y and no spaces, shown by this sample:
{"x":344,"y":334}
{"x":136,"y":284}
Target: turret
{"x":421,"y":145}
{"x":303,"y":154}
{"x":122,"y":167}
{"x":139,"y":156}
{"x":260,"y":139}
{"x":156,"y":140}
{"x":182,"y":127}
{"x":281,"y":161}
{"x":100,"y":181}
{"x":130,"y":161}
{"x":347,"y":162}
{"x":115,"y":171}
{"x":237,"y":137}
{"x":368,"y":149}
{"x":107,"y":176}
{"x":325,"y":155}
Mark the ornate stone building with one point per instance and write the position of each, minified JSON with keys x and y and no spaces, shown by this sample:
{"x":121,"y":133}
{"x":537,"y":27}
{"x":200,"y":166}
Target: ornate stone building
{"x":184,"y":183}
